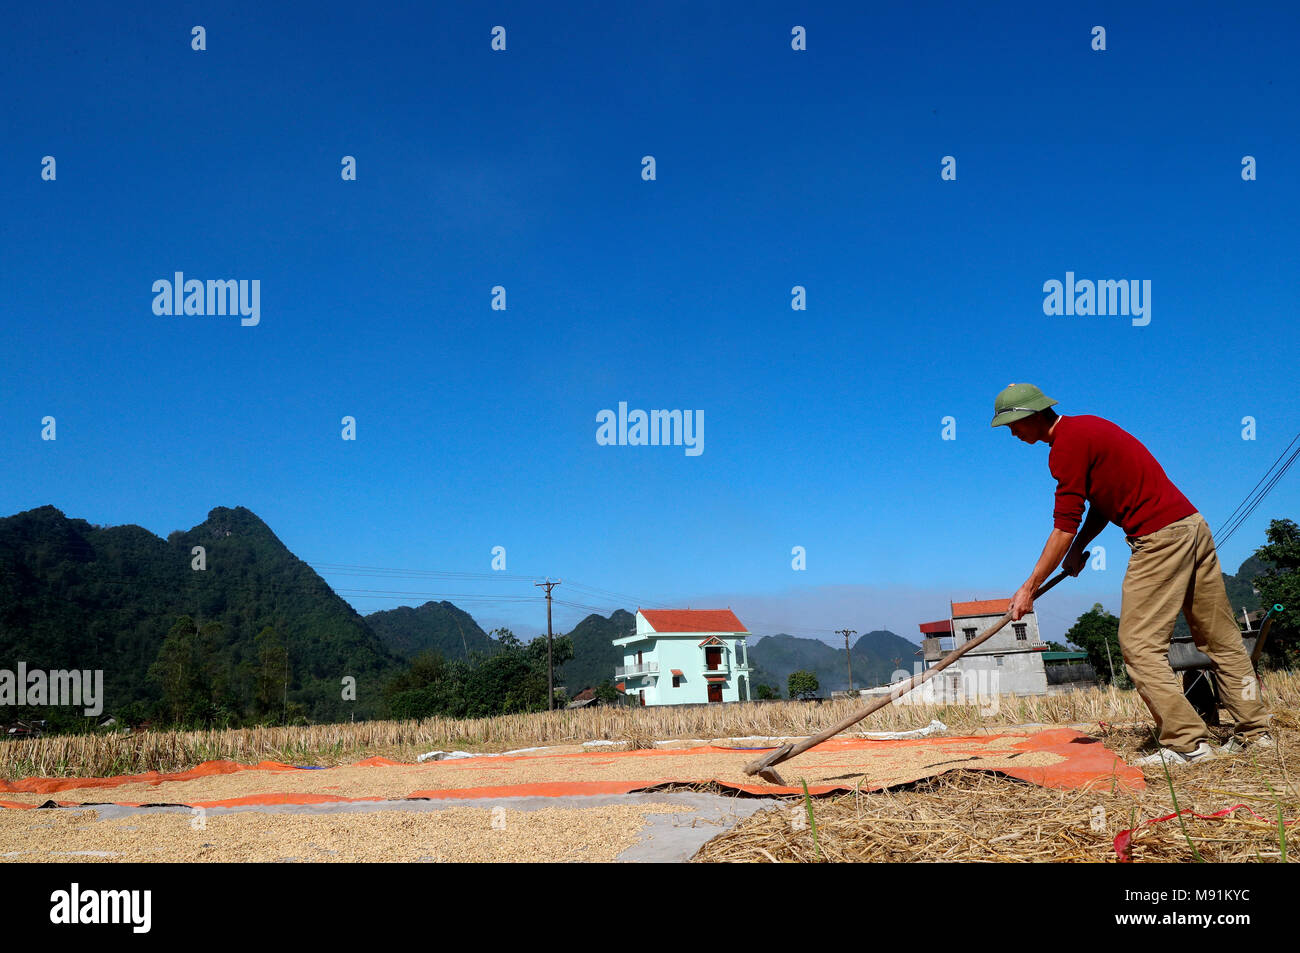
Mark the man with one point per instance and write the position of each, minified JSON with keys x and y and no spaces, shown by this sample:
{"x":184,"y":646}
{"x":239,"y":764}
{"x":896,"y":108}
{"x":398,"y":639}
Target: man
{"x":1174,"y":567}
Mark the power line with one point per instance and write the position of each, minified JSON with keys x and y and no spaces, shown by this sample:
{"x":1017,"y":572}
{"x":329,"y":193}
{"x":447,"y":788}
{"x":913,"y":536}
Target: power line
{"x":1256,"y":486}
{"x":1252,"y":504}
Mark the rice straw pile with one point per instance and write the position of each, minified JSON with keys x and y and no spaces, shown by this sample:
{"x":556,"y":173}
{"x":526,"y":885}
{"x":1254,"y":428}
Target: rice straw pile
{"x":977,"y":816}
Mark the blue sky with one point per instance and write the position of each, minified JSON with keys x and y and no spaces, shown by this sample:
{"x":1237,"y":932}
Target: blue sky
{"x":476,"y":428}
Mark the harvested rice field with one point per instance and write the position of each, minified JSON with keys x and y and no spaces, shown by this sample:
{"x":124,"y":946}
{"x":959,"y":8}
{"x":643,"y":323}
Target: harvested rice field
{"x":985,"y":792}
{"x":110,"y":754}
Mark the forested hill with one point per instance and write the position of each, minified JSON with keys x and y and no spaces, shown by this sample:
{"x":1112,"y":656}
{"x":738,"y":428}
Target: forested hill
{"x":594,"y":654}
{"x":433,"y":627}
{"x":876,"y":656}
{"x":76,"y":595}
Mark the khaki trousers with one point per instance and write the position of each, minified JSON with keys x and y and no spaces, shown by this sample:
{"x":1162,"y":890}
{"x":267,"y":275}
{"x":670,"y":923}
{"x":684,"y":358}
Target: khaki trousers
{"x":1176,"y":568}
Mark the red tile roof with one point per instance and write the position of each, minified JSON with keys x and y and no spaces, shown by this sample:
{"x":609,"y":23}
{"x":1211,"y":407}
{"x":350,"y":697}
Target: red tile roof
{"x":693,"y":620}
{"x":942,"y":627}
{"x":961,"y":610}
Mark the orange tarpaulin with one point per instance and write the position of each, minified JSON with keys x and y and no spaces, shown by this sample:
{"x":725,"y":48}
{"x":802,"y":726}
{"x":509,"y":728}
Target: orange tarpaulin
{"x":206,"y":769}
{"x":1073,"y":760}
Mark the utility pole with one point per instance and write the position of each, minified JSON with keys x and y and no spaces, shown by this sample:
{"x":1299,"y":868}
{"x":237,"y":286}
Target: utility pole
{"x":550,"y":672}
{"x":846,"y":633}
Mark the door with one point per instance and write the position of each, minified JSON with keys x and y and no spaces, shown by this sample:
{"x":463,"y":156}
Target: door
{"x":715,"y":692}
{"x":713,"y":658}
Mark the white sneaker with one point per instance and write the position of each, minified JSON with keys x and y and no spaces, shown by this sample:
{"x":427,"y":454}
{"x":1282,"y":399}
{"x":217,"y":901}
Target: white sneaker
{"x":1173,"y":758}
{"x":1236,"y":745}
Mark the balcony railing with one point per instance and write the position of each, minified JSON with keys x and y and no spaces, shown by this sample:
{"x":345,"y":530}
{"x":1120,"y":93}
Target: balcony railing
{"x":632,"y":671}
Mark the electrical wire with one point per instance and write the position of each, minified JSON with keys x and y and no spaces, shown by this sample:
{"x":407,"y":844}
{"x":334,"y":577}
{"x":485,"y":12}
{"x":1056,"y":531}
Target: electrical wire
{"x":1253,"y":499}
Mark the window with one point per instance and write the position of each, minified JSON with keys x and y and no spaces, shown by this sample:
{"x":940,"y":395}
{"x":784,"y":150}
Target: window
{"x":677,"y":681}
{"x":969,"y":633}
{"x":999,"y":658}
{"x":1021,"y":634}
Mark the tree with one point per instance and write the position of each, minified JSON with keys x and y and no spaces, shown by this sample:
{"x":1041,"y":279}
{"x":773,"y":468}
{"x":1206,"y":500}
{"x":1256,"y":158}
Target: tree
{"x":187,"y":670}
{"x":427,"y":668}
{"x":606,"y":692}
{"x":173,"y":669}
{"x":1280,"y":584}
{"x":766,"y":692}
{"x":131,"y":714}
{"x":431,"y":686}
{"x":508,"y":681}
{"x":1097,"y":633}
{"x":272,"y":672}
{"x":802,"y":685}
{"x":509,"y":641}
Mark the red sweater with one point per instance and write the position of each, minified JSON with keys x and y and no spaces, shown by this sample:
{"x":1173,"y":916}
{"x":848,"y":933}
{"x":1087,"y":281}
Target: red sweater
{"x":1094,"y":460}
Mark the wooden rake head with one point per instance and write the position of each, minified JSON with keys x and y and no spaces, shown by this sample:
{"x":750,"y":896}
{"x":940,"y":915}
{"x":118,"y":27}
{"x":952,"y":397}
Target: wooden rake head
{"x":763,"y":766}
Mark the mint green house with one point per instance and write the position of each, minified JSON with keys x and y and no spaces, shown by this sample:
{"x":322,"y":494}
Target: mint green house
{"x":684,"y":657}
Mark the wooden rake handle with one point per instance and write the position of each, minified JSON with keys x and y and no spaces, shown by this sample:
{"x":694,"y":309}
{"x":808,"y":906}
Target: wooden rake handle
{"x":789,"y":751}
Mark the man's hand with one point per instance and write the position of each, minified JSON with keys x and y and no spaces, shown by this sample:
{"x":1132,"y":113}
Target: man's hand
{"x":1022,"y":602}
{"x":1074,"y":562}
{"x":1059,"y":545}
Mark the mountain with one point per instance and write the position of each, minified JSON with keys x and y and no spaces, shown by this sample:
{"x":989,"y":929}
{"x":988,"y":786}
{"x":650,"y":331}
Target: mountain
{"x":433,"y":627}
{"x":1241,"y":587}
{"x":594,"y":654}
{"x":879,"y":654}
{"x":774,"y":657}
{"x":76,"y":595}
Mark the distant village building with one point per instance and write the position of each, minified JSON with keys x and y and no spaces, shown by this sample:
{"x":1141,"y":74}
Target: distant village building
{"x":684,"y":657}
{"x":1068,"y":672}
{"x":584,"y":699}
{"x":1015,"y":653}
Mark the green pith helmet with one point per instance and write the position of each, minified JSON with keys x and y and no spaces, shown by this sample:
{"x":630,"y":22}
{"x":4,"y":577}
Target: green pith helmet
{"x":1017,"y":402}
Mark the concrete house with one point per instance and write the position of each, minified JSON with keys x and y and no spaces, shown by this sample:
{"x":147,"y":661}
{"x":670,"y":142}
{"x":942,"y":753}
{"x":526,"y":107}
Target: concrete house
{"x":685,"y":657}
{"x":1015,"y":653}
